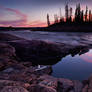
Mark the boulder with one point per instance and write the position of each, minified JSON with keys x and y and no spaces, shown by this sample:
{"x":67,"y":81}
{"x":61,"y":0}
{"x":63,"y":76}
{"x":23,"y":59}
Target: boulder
{"x":4,"y":37}
{"x":38,"y":52}
{"x":6,"y":62}
{"x":22,"y":75}
{"x":26,"y":64}
{"x":48,"y":81}
{"x":13,"y":89}
{"x":4,"y":83}
{"x":85,"y":88}
{"x":6,"y":50}
{"x":90,"y":84}
{"x":64,"y":85}
{"x":40,"y":88}
{"x":14,"y":68}
{"x":77,"y":86}
{"x":43,"y":70}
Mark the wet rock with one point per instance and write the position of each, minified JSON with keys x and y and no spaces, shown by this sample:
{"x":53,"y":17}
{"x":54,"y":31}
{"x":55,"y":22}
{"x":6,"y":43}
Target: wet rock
{"x":7,"y":55}
{"x":6,"y":50}
{"x":64,"y":85}
{"x":48,"y":81}
{"x":85,"y":82}
{"x":4,"y":83}
{"x":6,"y":62}
{"x":8,"y":70}
{"x":85,"y":89}
{"x":43,"y":70}
{"x":13,"y":68}
{"x":36,"y":51}
{"x":90,"y":81}
{"x":90,"y":90}
{"x":18,"y":74}
{"x":26,"y":64}
{"x":77,"y":86}
{"x":90,"y":84}
{"x":13,"y":89}
{"x":4,"y":37}
{"x":39,"y":88}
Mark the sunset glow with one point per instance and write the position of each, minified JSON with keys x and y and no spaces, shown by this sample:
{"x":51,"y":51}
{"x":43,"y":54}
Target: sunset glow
{"x":32,"y":13}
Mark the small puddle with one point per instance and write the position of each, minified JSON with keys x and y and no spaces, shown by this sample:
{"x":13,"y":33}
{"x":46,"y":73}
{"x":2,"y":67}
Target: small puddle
{"x":78,"y":67}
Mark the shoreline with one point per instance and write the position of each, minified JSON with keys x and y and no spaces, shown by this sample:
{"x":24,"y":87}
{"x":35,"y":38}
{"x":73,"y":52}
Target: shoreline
{"x":57,"y":27}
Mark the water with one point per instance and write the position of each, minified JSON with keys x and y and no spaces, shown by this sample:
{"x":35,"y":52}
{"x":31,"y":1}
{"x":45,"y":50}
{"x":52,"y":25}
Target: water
{"x":77,"y":67}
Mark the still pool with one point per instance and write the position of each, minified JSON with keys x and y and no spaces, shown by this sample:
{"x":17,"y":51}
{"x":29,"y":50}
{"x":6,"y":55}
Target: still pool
{"x":76,"y":68}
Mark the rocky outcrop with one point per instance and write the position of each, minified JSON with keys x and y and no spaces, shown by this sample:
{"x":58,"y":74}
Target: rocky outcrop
{"x":13,"y":89}
{"x":6,"y":50}
{"x":36,"y":51}
{"x":16,"y":76}
{"x":40,"y":88}
{"x":7,"y":37}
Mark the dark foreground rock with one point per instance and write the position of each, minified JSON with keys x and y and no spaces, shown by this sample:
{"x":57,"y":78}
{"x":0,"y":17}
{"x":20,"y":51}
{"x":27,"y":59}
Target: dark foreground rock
{"x":37,"y":51}
{"x":13,"y":89}
{"x":16,"y":76}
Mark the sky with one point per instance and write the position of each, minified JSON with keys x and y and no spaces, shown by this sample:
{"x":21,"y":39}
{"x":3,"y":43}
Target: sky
{"x":33,"y":13}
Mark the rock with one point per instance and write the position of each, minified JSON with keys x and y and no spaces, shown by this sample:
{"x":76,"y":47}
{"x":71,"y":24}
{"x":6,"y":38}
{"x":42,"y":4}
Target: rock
{"x":89,"y":90}
{"x":90,"y":84}
{"x":7,"y":56}
{"x":6,"y":62}
{"x":64,"y":85}
{"x":14,"y":68}
{"x":26,"y":64}
{"x":85,"y":89}
{"x":6,"y":50}
{"x":22,"y":75}
{"x":4,"y":83}
{"x":85,"y":82}
{"x":8,"y":70}
{"x":90,"y":81}
{"x":13,"y":89}
{"x":39,"y":88}
{"x":59,"y":87}
{"x":77,"y":86}
{"x":43,"y":70}
{"x":37,"y":51}
{"x":4,"y":37}
{"x":48,"y":83}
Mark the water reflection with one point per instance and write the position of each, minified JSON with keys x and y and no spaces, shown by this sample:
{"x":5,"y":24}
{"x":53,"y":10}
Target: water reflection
{"x":87,"y":56}
{"x":77,"y":67}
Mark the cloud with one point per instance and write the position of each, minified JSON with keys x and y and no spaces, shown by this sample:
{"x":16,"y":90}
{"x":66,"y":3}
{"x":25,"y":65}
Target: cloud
{"x":38,"y":23}
{"x":21,"y":21}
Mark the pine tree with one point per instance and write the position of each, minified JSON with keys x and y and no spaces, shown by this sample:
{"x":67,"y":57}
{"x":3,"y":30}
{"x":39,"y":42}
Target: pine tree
{"x":48,"y":21}
{"x":66,"y":12}
{"x":86,"y":14}
{"x":90,"y":16}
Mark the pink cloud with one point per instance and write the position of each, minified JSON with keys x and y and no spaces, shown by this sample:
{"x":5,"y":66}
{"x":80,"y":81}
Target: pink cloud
{"x":38,"y":23}
{"x":20,"y":22}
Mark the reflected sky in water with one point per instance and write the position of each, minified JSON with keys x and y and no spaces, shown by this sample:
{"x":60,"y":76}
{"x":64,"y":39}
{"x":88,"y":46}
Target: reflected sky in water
{"x":87,"y":57}
{"x":77,"y":67}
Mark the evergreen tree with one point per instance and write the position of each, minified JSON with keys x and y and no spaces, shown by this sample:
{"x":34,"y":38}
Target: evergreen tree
{"x":90,"y":16}
{"x":48,"y":21}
